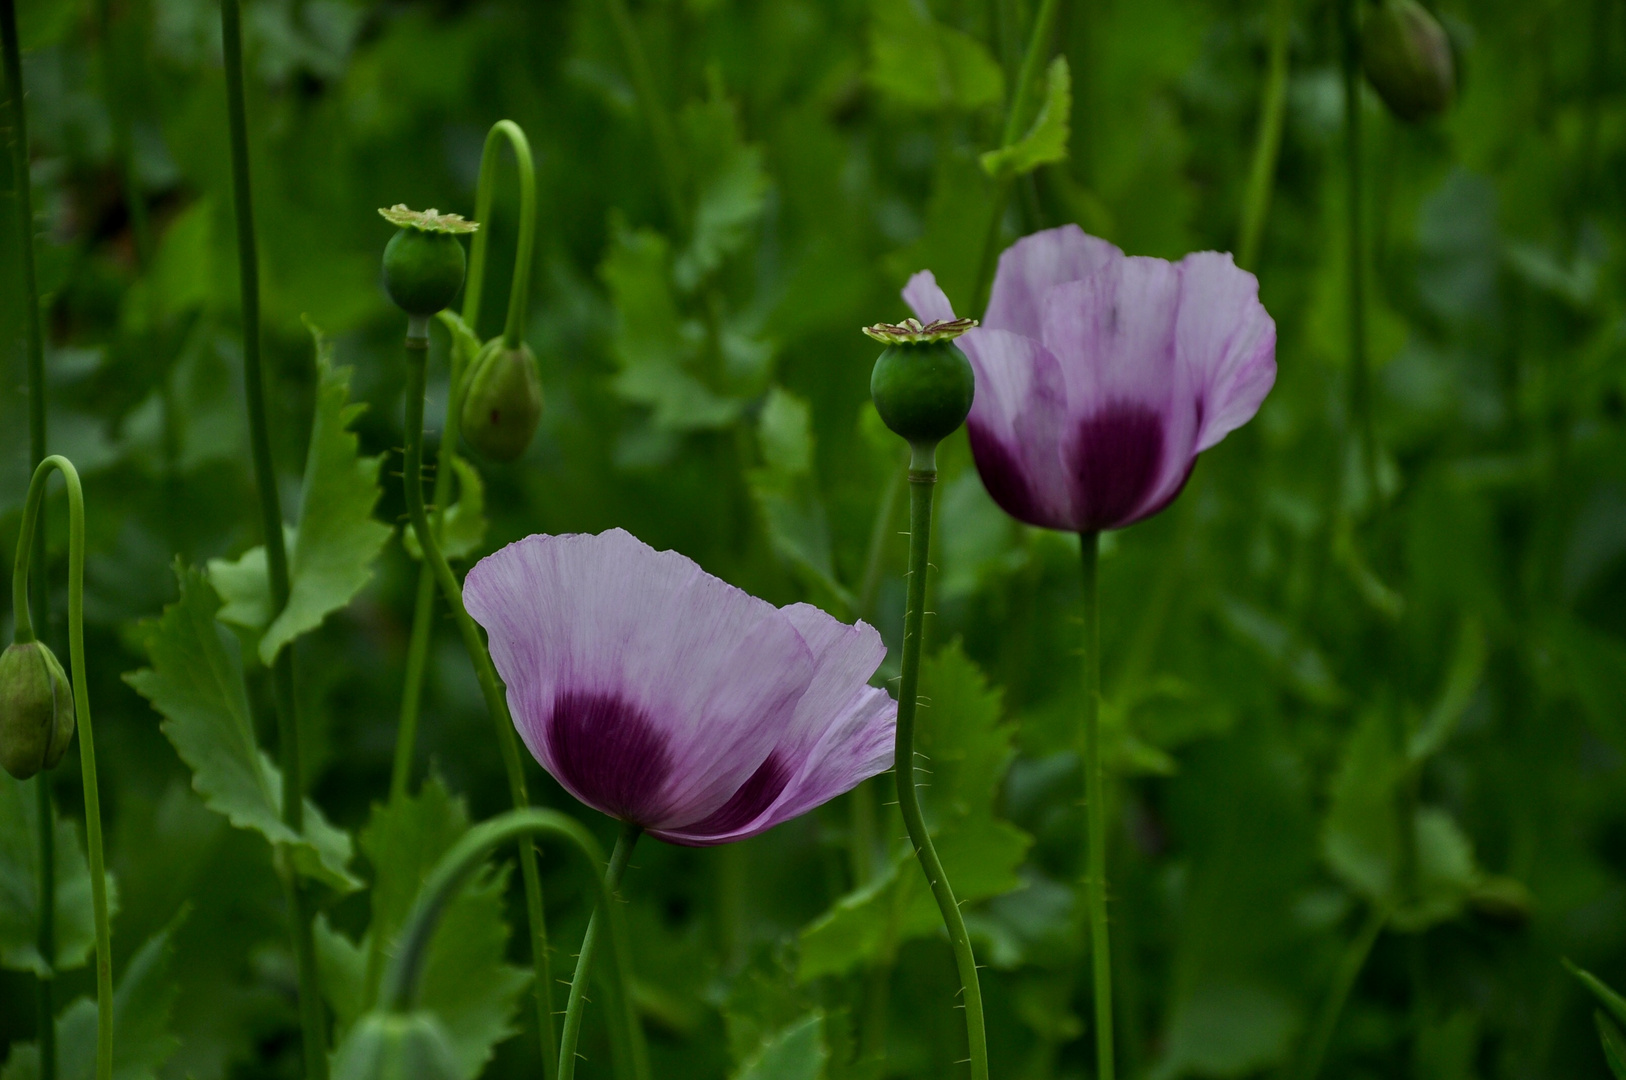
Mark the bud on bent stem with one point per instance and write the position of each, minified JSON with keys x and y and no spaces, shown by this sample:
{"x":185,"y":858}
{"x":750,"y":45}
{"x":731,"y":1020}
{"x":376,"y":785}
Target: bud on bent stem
{"x":36,"y":709}
{"x":1407,"y":57}
{"x":502,"y":401}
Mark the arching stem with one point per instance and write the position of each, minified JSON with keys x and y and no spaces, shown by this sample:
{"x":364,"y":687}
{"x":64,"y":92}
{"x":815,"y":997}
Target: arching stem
{"x":417,"y":354}
{"x":606,"y":912}
{"x":922,"y":481}
{"x":312,"y":1019}
{"x":1095,"y":883}
{"x":519,"y":291}
{"x":87,"y":758}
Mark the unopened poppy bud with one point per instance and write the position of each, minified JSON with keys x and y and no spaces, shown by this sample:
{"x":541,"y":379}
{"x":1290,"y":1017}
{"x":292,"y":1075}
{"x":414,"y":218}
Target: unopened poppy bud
{"x":424,"y":262}
{"x":922,"y":384}
{"x":36,"y":709}
{"x":395,"y":1046}
{"x":1408,"y":60}
{"x":503,"y":401}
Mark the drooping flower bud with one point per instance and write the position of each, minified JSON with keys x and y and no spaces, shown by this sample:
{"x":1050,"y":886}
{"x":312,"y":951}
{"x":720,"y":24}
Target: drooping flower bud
{"x":36,"y":709}
{"x":424,"y":262}
{"x":922,"y":384}
{"x":1408,"y":59}
{"x":503,"y":401}
{"x":395,"y":1046}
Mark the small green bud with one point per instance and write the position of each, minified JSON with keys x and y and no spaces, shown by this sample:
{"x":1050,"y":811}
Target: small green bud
{"x":1408,"y":60}
{"x":503,"y":401}
{"x":424,"y":262}
{"x":922,"y":384}
{"x":395,"y":1046}
{"x":36,"y":709}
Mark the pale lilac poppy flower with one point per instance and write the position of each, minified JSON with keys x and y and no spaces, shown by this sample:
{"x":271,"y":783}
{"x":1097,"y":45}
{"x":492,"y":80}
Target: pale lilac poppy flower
{"x":666,"y":697}
{"x":1101,"y":377}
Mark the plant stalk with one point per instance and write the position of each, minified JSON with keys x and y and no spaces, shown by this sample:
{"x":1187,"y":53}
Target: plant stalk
{"x":417,"y":355}
{"x":1360,"y":374}
{"x":1268,"y":145}
{"x":584,"y":964}
{"x":1348,"y":970}
{"x":312,"y":1019}
{"x":922,"y":481}
{"x":44,"y":985}
{"x":87,"y":767}
{"x":1095,"y":882}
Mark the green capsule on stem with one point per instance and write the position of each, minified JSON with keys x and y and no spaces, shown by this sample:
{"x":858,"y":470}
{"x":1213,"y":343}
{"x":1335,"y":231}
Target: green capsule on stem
{"x":396,"y":1046}
{"x":424,"y":262}
{"x":922,"y":384}
{"x":1408,"y":60}
{"x":502,"y":403}
{"x":36,"y":709}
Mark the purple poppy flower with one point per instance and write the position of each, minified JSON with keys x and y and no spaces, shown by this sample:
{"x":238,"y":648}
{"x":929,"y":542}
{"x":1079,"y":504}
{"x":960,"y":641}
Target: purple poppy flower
{"x":1101,"y":377}
{"x":666,"y":697}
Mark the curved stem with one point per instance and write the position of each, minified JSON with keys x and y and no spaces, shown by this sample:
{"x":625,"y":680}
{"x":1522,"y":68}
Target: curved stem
{"x":584,"y":964}
{"x":1095,"y":885}
{"x":1267,"y":147}
{"x":1343,"y":981}
{"x":87,"y":757}
{"x":922,"y":480}
{"x":1360,"y":374}
{"x":312,"y":1019}
{"x":519,"y":290}
{"x":417,"y":354}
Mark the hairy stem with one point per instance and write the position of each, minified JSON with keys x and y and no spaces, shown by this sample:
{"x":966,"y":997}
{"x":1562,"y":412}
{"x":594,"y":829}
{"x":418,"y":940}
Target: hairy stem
{"x":584,"y":963}
{"x":312,"y":1019}
{"x":1268,"y":145}
{"x":417,"y":354}
{"x":1095,"y":882}
{"x":922,"y":481}
{"x":87,"y":767}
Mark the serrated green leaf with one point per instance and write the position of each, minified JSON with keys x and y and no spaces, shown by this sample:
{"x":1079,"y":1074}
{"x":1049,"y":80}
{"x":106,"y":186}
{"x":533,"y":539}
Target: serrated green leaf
{"x":1046,"y":141}
{"x":731,"y":183}
{"x":796,"y":1052}
{"x":463,"y":526}
{"x":965,"y":751}
{"x":922,"y":64}
{"x":19,"y":884}
{"x":342,"y":968}
{"x":142,"y":1042}
{"x":196,"y":683}
{"x":244,"y":585}
{"x":787,"y":496}
{"x":338,"y":538}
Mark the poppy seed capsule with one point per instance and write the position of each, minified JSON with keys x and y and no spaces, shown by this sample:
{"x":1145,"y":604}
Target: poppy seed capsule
{"x":395,"y":1046}
{"x":922,"y":384}
{"x":424,"y":261}
{"x":503,"y":401}
{"x":36,"y":709}
{"x":1408,"y":60}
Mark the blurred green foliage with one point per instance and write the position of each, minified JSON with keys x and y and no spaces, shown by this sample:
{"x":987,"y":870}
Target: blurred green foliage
{"x":1325,"y":698}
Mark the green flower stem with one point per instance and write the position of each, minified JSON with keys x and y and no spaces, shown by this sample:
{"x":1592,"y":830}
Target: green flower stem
{"x":922,"y":481}
{"x":312,"y":1019}
{"x":1268,"y":144}
{"x":87,"y":765}
{"x":606,"y":912}
{"x":417,"y":356}
{"x":1027,"y":84}
{"x":34,"y":324}
{"x":1343,"y":981}
{"x":1095,"y":883}
{"x":1360,"y":373}
{"x":519,"y":291}
{"x":44,"y":985}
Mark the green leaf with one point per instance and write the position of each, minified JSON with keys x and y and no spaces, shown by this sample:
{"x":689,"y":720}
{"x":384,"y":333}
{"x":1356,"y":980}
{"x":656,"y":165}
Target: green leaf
{"x":341,"y":965}
{"x":1614,"y":1044}
{"x":463,"y":526}
{"x":332,"y":557}
{"x":1461,"y":683}
{"x":965,"y":751}
{"x":142,"y":1003}
{"x":797,"y":1052}
{"x":1046,"y":141}
{"x":19,"y":884}
{"x":787,"y":495}
{"x":922,"y":64}
{"x":244,"y":585}
{"x":1606,"y":995}
{"x":196,"y":683}
{"x":466,"y":980}
{"x":731,"y":183}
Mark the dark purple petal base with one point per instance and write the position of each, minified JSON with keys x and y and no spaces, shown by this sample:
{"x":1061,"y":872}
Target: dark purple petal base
{"x":610,"y":754}
{"x":1114,"y":463}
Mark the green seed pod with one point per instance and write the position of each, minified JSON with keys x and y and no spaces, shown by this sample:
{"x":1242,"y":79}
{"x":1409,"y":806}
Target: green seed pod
{"x":424,"y":262}
{"x":395,"y":1046}
{"x":502,"y":402}
{"x":36,"y":709}
{"x":1408,"y":59}
{"x":922,"y":384}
